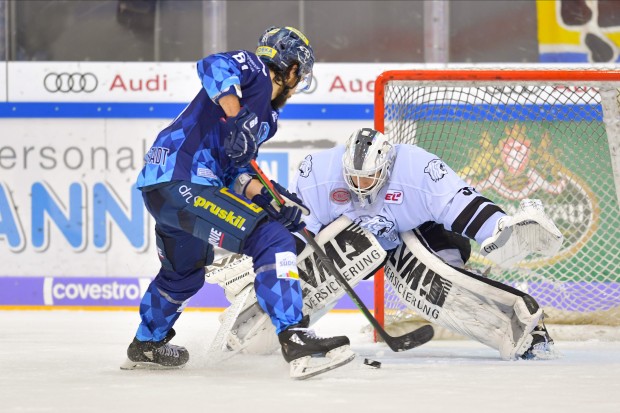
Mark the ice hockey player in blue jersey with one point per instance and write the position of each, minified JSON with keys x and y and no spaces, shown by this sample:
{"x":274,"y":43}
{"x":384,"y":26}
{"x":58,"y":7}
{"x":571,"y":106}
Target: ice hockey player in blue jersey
{"x":196,"y":185}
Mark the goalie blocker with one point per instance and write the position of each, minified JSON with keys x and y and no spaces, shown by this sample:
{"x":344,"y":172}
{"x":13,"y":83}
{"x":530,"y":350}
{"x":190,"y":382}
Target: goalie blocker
{"x":490,"y":312}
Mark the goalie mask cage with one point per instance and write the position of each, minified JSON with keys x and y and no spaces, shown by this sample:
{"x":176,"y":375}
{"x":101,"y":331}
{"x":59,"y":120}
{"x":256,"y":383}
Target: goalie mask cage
{"x":552,"y":134}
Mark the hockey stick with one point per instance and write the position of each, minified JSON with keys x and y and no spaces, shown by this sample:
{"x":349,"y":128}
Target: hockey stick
{"x":401,"y":343}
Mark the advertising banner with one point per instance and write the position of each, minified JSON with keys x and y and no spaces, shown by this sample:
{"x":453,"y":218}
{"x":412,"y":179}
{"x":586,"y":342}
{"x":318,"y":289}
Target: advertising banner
{"x":578,"y":31}
{"x":161,"y":90}
{"x":68,"y":200}
{"x":111,"y":292}
{"x":73,"y":228}
{"x":3,"y":85}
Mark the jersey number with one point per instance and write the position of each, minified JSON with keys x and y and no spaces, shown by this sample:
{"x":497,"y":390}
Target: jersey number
{"x":240,"y":57}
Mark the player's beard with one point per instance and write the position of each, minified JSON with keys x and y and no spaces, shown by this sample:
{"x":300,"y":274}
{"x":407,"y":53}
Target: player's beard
{"x":280,"y":100}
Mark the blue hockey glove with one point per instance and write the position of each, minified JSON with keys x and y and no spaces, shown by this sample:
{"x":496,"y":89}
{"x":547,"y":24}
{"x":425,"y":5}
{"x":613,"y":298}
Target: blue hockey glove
{"x":288,"y":214}
{"x":241,"y":141}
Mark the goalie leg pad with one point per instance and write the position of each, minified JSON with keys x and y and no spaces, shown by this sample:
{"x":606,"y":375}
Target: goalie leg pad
{"x":253,"y":332}
{"x":463,"y":302}
{"x":218,"y":350}
{"x":232,"y":272}
{"x":527,"y":313}
{"x":357,"y":254}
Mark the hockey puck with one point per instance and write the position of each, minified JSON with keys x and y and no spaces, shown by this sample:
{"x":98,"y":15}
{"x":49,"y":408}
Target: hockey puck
{"x":372,"y":363}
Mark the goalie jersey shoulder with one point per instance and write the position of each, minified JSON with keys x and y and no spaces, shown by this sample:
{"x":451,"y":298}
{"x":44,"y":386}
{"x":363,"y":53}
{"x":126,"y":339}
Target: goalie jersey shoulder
{"x":320,"y":185}
{"x":443,"y":196}
{"x":321,"y":167}
{"x":423,"y":177}
{"x":423,"y":170}
{"x":421,"y":188}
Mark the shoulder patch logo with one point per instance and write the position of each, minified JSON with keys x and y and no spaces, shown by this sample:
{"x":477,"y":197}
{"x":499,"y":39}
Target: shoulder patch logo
{"x":436,"y":169}
{"x":305,"y":167}
{"x":394,"y":197}
{"x":340,"y":196}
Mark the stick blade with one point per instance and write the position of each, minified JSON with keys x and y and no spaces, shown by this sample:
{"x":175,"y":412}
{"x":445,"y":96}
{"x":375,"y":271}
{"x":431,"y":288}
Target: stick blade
{"x":412,"y":339}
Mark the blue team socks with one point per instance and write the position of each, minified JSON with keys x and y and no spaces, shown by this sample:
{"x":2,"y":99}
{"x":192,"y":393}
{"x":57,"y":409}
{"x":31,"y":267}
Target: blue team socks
{"x":158,"y":311}
{"x":281,"y":298}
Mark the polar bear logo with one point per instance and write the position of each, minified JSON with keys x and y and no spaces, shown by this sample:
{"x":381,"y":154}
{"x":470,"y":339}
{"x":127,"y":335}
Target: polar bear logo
{"x":379,"y":226}
{"x":436,"y":169}
{"x":306,"y":166}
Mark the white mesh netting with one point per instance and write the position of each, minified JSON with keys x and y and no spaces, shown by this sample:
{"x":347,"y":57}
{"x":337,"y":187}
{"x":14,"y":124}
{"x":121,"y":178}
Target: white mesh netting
{"x":552,"y":140}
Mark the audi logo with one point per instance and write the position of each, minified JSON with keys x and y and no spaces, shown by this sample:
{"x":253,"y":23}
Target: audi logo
{"x":70,"y":82}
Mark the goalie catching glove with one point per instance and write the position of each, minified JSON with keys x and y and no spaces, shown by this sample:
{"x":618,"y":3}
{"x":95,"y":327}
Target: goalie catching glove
{"x":288,"y":214}
{"x":530,"y":230}
{"x":241,"y":141}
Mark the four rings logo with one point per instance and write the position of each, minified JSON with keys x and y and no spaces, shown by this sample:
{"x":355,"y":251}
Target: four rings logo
{"x":70,"y":82}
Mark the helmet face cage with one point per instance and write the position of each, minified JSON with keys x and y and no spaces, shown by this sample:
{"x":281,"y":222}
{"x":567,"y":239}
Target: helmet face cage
{"x":284,"y":46}
{"x":370,"y":155}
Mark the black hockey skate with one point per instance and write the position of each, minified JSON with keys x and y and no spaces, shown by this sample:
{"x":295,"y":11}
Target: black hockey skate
{"x":155,"y":355}
{"x":308,"y":354}
{"x":542,"y":347}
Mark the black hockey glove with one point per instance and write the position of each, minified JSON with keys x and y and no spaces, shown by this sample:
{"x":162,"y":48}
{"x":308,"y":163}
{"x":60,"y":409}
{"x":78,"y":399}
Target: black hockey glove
{"x":241,"y":141}
{"x":288,"y":214}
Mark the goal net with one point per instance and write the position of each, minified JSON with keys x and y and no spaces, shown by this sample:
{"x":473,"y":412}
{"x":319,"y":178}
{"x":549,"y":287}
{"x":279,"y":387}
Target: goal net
{"x":552,"y":134}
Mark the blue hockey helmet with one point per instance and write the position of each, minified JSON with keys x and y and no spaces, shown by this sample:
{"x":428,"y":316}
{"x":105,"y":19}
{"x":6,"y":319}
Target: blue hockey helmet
{"x":285,"y":46}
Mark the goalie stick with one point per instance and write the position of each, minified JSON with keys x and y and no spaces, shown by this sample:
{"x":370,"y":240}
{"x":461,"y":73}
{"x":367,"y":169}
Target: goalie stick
{"x":407,"y":341}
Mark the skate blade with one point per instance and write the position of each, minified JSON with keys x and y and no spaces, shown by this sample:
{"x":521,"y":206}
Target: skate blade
{"x":547,"y":353}
{"x":145,"y":365}
{"x":306,"y":367}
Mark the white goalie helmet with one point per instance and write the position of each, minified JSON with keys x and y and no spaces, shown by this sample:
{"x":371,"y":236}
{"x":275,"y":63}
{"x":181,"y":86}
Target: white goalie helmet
{"x":367,"y":163}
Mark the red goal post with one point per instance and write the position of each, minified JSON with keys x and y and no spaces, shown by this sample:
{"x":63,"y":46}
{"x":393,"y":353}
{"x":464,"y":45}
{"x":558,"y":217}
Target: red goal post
{"x":548,"y":133}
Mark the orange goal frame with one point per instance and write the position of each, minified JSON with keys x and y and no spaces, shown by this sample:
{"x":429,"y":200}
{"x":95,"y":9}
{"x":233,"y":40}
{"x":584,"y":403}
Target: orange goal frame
{"x":501,"y":74}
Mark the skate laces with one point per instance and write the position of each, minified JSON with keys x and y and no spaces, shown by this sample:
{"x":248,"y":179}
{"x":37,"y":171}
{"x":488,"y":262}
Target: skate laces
{"x":308,"y":332}
{"x":541,"y":330}
{"x":542,"y":346}
{"x":168,"y":350}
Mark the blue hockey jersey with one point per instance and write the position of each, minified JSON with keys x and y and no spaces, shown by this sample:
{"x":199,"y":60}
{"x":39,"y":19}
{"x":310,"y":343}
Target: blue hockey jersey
{"x":191,"y":148}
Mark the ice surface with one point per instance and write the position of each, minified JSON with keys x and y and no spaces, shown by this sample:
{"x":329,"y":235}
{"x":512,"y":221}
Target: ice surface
{"x":68,"y":361}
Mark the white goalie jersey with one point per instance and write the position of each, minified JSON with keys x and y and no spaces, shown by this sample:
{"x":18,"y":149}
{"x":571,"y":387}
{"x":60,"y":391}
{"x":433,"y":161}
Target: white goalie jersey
{"x":420,"y":188}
